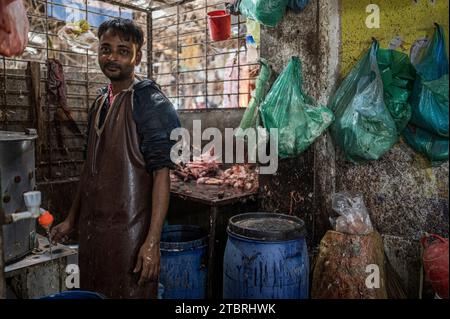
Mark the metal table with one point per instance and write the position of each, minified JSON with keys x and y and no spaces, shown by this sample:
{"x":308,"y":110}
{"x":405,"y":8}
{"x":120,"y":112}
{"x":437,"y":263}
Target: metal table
{"x":214,"y":197}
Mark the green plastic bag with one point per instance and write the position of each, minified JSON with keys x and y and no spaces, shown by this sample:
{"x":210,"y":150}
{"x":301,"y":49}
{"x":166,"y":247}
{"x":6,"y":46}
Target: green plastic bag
{"x":434,"y":147}
{"x":297,"y":116}
{"x":428,"y":132}
{"x":267,"y":12}
{"x":398,"y":77}
{"x":430,"y":96}
{"x":251,"y":118}
{"x":364,"y":128}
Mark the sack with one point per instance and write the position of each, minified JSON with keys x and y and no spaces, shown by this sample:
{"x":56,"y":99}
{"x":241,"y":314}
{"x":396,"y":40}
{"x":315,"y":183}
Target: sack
{"x":430,"y":95}
{"x":297,"y":116}
{"x":364,"y":128}
{"x":339,"y":271}
{"x":267,"y":12}
{"x":14,"y":28}
{"x":298,"y":5}
{"x":251,"y":118}
{"x":398,"y":77}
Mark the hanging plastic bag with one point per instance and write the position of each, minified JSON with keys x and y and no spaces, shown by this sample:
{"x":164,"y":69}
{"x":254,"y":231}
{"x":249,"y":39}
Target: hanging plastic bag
{"x":364,"y":128}
{"x":434,"y":147}
{"x":297,"y":116}
{"x":267,"y":12}
{"x":398,"y":77}
{"x":298,"y":5}
{"x":251,"y":118}
{"x":430,"y":96}
{"x":353,"y":216}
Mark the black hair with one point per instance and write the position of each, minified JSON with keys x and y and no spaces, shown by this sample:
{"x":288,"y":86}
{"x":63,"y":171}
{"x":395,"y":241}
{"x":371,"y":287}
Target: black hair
{"x":125,"y":28}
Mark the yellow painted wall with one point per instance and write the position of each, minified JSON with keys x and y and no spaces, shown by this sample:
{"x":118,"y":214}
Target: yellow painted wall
{"x":401,"y":18}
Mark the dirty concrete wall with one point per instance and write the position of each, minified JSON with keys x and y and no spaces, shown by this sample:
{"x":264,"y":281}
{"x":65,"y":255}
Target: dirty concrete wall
{"x":290,"y":190}
{"x":299,"y":184}
{"x":404,"y":194}
{"x":217,"y":118}
{"x":405,"y":20}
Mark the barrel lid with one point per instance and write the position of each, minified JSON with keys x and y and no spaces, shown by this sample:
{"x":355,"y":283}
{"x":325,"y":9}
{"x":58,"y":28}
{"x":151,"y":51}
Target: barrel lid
{"x":17,"y":136}
{"x":267,"y":226}
{"x":182,"y":238}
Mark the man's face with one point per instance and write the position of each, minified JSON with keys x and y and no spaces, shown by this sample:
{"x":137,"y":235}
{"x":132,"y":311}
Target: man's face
{"x":117,"y":57}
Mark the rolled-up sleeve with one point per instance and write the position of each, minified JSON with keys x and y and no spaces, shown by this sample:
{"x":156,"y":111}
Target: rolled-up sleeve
{"x":155,"y":118}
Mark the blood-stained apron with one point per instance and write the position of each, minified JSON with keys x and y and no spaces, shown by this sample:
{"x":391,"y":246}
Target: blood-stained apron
{"x":115,"y":204}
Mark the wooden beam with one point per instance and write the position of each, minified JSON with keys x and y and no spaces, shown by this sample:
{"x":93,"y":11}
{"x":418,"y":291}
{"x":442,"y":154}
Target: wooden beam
{"x":34,"y":71}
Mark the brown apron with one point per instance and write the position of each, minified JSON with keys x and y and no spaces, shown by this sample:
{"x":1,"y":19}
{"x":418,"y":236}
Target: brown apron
{"x":115,"y":204}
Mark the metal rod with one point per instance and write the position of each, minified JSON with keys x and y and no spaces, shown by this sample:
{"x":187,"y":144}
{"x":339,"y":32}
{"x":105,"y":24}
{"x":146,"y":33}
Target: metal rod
{"x":239,"y":60}
{"x":112,"y":2}
{"x":210,"y":82}
{"x":62,"y":162}
{"x":149,"y":45}
{"x":178,"y":55}
{"x":200,"y":57}
{"x":209,"y":69}
{"x":5,"y":124}
{"x":49,"y":132}
{"x":87,"y":57}
{"x":187,"y":33}
{"x":189,"y":11}
{"x":206,"y":53}
{"x":202,"y":95}
{"x":170,"y":5}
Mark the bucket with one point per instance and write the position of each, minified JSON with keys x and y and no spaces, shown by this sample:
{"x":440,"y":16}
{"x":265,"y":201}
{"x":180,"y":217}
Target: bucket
{"x":75,"y":294}
{"x":266,"y":257}
{"x":219,"y":23}
{"x":183,"y":262}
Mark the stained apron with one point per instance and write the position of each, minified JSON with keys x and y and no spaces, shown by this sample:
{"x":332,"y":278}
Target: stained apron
{"x":115,"y":208}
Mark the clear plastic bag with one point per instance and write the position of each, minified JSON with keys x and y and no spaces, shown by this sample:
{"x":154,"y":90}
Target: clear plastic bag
{"x":354,"y":218}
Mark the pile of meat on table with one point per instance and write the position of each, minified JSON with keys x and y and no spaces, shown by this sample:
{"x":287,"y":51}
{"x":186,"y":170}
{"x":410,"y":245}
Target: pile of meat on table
{"x":206,"y":170}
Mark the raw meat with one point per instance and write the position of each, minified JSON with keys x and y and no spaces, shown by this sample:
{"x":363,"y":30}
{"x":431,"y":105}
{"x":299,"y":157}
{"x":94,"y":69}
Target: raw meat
{"x":14,"y":28}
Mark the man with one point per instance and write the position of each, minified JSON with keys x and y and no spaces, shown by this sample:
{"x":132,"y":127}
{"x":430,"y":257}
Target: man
{"x":124,"y":188}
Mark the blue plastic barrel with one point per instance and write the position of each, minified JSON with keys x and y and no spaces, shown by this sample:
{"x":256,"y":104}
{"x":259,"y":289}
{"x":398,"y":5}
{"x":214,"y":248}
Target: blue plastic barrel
{"x":183,"y":262}
{"x":266,"y":257}
{"x":75,"y":294}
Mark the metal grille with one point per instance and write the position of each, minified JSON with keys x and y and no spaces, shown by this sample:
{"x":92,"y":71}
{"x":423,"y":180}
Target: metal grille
{"x":194,"y":71}
{"x":82,"y":74}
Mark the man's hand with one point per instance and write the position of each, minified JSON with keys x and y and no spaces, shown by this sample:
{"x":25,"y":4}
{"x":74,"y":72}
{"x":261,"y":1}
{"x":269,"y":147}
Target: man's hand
{"x":61,"y":232}
{"x":148,"y":262}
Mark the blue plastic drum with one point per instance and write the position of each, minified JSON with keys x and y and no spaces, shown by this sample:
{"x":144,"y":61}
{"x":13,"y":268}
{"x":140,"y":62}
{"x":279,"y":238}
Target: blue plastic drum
{"x":266,"y":257}
{"x":75,"y":294}
{"x":183,"y":262}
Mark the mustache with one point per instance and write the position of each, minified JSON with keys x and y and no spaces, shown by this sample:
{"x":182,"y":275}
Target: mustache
{"x":112,"y":64}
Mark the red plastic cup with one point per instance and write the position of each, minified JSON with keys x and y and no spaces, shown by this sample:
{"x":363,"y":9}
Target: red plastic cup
{"x":219,"y":23}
